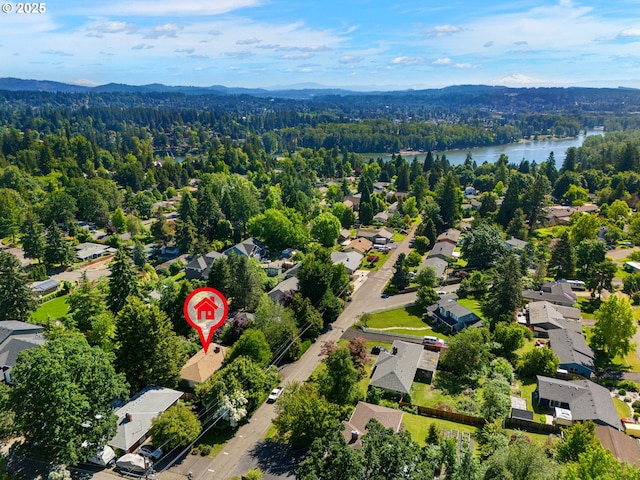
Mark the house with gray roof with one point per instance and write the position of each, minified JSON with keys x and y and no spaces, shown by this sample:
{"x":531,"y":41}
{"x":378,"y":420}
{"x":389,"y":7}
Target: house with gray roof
{"x":451,"y":235}
{"x":16,"y":336}
{"x":558,"y":293}
{"x":576,"y":401}
{"x":135,"y":416}
{"x":438,"y":264}
{"x":572,"y":350}
{"x":515,"y":245}
{"x":89,"y":250}
{"x":542,"y":317}
{"x":198,"y":268}
{"x":442,"y":249}
{"x":45,"y":287}
{"x":351,"y":260}
{"x":251,"y":248}
{"x":289,"y":286}
{"x":448,"y":312}
{"x":397,"y":369}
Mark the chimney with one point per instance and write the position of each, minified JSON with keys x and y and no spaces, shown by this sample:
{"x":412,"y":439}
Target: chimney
{"x":354,"y":435}
{"x":394,"y":350}
{"x":129,"y":417}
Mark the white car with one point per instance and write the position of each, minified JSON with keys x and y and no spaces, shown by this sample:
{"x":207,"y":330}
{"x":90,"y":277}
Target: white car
{"x":275,"y":393}
{"x":150,"y":451}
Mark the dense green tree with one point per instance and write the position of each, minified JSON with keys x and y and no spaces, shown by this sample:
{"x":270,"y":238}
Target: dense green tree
{"x":303,"y":415}
{"x":576,"y":440}
{"x":426,"y":297}
{"x":510,"y":337}
{"x":118,"y":220}
{"x":62,"y":396}
{"x":496,"y":402}
{"x":220,"y":276}
{"x":450,"y":200}
{"x":330,"y":458}
{"x":307,"y":317}
{"x":149,"y":351}
{"x":279,"y":229}
{"x":518,"y":225}
{"x":245,"y":288}
{"x":123,"y":281}
{"x":614,"y":328}
{"x":139,"y":256}
{"x":85,"y":302}
{"x":33,"y":239}
{"x":253,"y":344}
{"x":102,"y":332}
{"x":482,"y":246}
{"x":505,"y":295}
{"x":468,"y":352}
{"x":534,"y":200}
{"x":601,"y":277}
{"x":400,"y":278}
{"x":589,"y":253}
{"x":522,"y":460}
{"x":584,"y":227}
{"x":12,"y":213}
{"x":539,"y":361}
{"x":339,"y":381}
{"x":59,"y":250}
{"x":343,"y":213}
{"x":186,"y":236}
{"x":60,"y":208}
{"x":426,"y":277}
{"x":509,"y":205}
{"x":172,"y":302}
{"x":16,"y":297}
{"x":600,"y":464}
{"x":563,"y":258}
{"x":325,"y":228}
{"x":176,"y":427}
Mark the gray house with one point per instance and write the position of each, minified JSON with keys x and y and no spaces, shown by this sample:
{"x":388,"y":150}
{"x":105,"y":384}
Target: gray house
{"x":438,"y":264}
{"x":542,"y":317}
{"x":443,"y":249}
{"x":397,"y":369}
{"x":284,"y":288}
{"x":452,"y":315}
{"x":351,"y":260}
{"x":16,"y":336}
{"x":572,"y":350}
{"x":552,"y":292}
{"x":577,"y":400}
{"x":251,"y":248}
{"x":198,"y":267}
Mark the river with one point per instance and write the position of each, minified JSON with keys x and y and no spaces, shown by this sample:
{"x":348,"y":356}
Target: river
{"x":537,"y":150}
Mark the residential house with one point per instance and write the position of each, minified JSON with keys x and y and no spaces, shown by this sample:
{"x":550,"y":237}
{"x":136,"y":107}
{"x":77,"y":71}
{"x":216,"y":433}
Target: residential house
{"x":558,"y":293}
{"x":251,"y":248}
{"x":351,"y":260}
{"x":393,"y":208}
{"x":542,"y":317}
{"x":571,"y":348}
{"x":45,"y":287}
{"x":443,"y":250}
{"x":352,"y":201}
{"x":577,"y":400}
{"x":284,"y":289}
{"x":360,"y":245}
{"x":451,"y":235}
{"x":515,"y":245}
{"x":632,"y":266}
{"x":470,"y":191}
{"x":202,"y":365}
{"x":379,"y":236}
{"x":438,"y":264}
{"x":345,"y":235}
{"x":135,"y":416}
{"x":622,"y":446}
{"x":198,"y":267}
{"x":89,"y":251}
{"x":381,"y":217}
{"x":16,"y":336}
{"x":448,"y":312}
{"x":397,"y":369}
{"x":355,"y":428}
{"x":560,"y":215}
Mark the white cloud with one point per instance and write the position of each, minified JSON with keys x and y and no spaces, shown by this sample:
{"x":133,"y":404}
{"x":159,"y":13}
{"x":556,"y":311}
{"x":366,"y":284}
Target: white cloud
{"x":142,"y":46}
{"x":239,"y":54}
{"x":443,"y":30}
{"x":169,"y":30}
{"x":184,"y":50}
{"x":351,"y":59}
{"x":248,"y":41}
{"x":100,"y":29}
{"x":57,"y":53}
{"x":464,"y":66}
{"x":85,"y":82}
{"x":297,"y":56}
{"x":404,"y":60}
{"x":442,"y":61}
{"x":629,"y":33}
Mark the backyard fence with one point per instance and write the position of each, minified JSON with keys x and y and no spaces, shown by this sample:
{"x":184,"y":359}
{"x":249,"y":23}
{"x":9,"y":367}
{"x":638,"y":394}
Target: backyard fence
{"x":533,"y":427}
{"x":446,"y":415}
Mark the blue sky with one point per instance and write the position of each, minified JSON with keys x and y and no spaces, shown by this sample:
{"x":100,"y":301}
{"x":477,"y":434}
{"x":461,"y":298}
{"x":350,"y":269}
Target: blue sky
{"x":362,"y":44}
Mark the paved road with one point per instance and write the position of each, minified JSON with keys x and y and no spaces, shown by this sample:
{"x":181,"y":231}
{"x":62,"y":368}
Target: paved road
{"x":242,"y":451}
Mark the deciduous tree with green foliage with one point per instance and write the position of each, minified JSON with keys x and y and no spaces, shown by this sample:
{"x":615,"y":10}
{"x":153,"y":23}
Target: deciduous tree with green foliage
{"x":614,"y":328}
{"x":468,"y":352}
{"x":176,"y":427}
{"x":600,"y":464}
{"x":62,"y":396}
{"x":253,"y":344}
{"x":576,"y":440}
{"x":16,"y":297}
{"x":85,"y":302}
{"x":325,"y":228}
{"x":482,"y":246}
{"x":539,"y":361}
{"x":338,"y":382}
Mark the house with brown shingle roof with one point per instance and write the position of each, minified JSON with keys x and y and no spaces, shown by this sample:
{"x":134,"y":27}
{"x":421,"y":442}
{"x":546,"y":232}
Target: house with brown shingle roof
{"x":360,"y":245}
{"x":356,"y":426}
{"x":202,"y":365}
{"x":621,"y":445}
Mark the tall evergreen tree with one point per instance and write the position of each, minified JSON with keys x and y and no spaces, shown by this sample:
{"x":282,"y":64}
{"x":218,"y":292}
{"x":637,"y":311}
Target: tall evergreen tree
{"x":570,"y":159}
{"x":59,"y":250}
{"x":450,"y":200}
{"x":563,"y":258}
{"x":220,"y":276}
{"x":534,"y":200}
{"x":400,"y":278}
{"x":33,"y":239}
{"x":365,"y":212}
{"x":17,"y":299}
{"x":428,"y":162}
{"x":245,"y":288}
{"x":505,"y":296}
{"x":509,"y":205}
{"x":518,"y":225}
{"x":187,"y":210}
{"x":85,"y":302}
{"x":123,"y":281}
{"x":404,"y":178}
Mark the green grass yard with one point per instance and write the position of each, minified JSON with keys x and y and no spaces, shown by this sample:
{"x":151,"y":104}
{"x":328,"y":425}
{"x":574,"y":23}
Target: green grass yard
{"x":473,"y":305}
{"x":382,"y":258}
{"x":622,"y":408}
{"x":56,"y":308}
{"x":404,"y":321}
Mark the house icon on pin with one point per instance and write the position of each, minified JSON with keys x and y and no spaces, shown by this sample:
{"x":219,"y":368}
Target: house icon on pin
{"x":206,"y":309}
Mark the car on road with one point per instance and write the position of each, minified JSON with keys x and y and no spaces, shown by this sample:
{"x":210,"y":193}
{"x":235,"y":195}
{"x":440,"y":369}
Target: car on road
{"x":441,"y":292}
{"x":150,"y":451}
{"x":433,"y":342}
{"x":384,"y":295}
{"x":275,"y":393}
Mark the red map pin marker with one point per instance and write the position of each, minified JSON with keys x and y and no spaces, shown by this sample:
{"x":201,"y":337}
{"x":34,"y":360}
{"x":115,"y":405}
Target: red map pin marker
{"x":206,"y":310}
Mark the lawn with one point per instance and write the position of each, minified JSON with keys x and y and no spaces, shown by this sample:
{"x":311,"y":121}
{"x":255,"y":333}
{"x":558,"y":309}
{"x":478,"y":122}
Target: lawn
{"x":473,"y":305}
{"x":525,"y":388}
{"x":547,"y":233}
{"x":418,"y":427}
{"x":398,"y":237}
{"x":527,"y":347}
{"x":216,"y":439}
{"x":429,"y":396}
{"x":622,"y":408}
{"x":382,"y":258}
{"x":405,"y":320}
{"x":56,"y":308}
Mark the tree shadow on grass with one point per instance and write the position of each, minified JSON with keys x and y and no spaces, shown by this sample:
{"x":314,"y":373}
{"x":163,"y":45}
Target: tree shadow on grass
{"x":278,"y":459}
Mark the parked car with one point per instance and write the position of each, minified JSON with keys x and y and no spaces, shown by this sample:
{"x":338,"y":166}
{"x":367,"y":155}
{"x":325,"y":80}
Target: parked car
{"x":275,"y":393}
{"x":436,"y":342}
{"x":150,"y":451}
{"x":377,"y":350}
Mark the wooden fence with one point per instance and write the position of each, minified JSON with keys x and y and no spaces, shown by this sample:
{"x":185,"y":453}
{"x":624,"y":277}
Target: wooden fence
{"x":446,"y":415}
{"x":533,"y":427}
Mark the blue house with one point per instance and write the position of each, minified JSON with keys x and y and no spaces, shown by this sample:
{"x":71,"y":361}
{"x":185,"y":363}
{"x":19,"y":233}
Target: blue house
{"x":572,"y":350}
{"x":454,"y":316}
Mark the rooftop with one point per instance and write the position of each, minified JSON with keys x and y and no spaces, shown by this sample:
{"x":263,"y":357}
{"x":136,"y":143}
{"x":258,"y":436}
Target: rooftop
{"x":571,"y":348}
{"x":396,"y":369}
{"x":202,"y":365}
{"x":388,"y":417}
